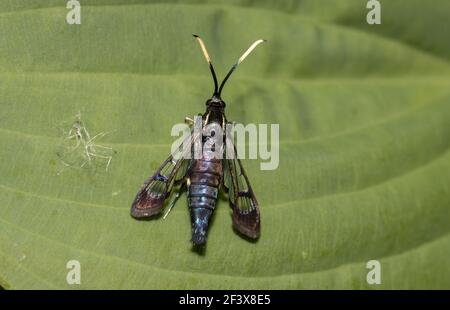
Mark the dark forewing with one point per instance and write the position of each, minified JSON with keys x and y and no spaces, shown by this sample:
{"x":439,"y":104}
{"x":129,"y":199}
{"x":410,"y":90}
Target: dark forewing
{"x":243,"y":202}
{"x":150,"y":198}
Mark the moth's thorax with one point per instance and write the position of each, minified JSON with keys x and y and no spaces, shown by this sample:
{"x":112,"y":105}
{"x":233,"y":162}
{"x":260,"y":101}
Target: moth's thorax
{"x":215,"y":103}
{"x":215,"y":111}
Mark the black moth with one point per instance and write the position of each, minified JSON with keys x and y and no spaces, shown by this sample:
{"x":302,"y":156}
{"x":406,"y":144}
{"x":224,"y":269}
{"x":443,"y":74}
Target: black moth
{"x":203,"y":177}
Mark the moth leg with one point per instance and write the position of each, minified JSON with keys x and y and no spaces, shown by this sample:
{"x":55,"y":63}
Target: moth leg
{"x":178,"y":182}
{"x":224,"y":188}
{"x":175,"y":199}
{"x":189,"y":120}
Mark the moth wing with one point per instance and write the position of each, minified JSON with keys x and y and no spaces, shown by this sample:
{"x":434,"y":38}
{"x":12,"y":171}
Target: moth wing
{"x":245,"y":216}
{"x":150,"y":198}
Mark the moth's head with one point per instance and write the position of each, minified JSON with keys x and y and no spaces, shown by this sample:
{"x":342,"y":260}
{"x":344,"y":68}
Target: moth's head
{"x":215,"y":103}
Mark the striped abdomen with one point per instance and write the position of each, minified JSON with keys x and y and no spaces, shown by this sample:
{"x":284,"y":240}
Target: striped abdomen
{"x":203,"y":188}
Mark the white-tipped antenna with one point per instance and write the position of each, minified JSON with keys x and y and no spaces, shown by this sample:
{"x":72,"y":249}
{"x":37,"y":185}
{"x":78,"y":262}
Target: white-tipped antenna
{"x":208,"y":60}
{"x":203,"y":47}
{"x":249,"y":50}
{"x":241,"y":59}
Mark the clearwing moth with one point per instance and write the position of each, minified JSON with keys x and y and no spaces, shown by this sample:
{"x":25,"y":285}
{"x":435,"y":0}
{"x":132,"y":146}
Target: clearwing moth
{"x":203,"y":177}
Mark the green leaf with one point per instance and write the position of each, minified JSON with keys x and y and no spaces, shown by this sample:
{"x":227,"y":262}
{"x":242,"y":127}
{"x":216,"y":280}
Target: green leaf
{"x":364,"y":154}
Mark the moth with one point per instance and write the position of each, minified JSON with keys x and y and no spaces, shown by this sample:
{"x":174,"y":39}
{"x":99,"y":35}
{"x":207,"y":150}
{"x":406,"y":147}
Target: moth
{"x":203,"y":176}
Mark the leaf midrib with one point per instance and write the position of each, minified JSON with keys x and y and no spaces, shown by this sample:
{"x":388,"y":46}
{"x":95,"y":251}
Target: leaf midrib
{"x":273,"y":207}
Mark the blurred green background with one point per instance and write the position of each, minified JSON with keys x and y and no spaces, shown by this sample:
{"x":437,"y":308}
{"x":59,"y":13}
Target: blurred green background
{"x":364,"y":114}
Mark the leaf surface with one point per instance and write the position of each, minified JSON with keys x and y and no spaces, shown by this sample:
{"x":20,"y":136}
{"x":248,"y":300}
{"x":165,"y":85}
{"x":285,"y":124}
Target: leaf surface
{"x":364,"y":150}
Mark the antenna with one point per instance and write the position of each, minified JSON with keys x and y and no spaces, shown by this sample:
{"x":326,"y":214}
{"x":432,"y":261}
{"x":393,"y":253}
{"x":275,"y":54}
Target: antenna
{"x":241,"y":59}
{"x":208,"y":60}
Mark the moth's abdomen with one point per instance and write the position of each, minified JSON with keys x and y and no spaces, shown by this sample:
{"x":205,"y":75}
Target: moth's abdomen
{"x":205,"y":178}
